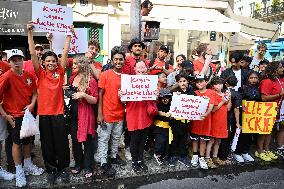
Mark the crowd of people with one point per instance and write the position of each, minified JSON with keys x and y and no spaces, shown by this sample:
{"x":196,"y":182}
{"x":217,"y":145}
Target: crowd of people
{"x":88,"y":106}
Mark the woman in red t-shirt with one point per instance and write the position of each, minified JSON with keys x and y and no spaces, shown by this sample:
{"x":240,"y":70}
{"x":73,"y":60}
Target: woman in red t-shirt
{"x":139,"y":117}
{"x":272,"y":90}
{"x":203,"y":65}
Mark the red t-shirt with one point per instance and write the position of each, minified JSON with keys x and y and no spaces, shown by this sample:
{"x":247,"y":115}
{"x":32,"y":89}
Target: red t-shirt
{"x":4,"y":67}
{"x":198,"y":66}
{"x":160,"y":63}
{"x":28,"y":67}
{"x":203,"y":127}
{"x":272,"y":87}
{"x":219,"y":127}
{"x":16,"y":92}
{"x":128,"y":66}
{"x":140,"y":115}
{"x":50,"y":91}
{"x":113,"y":109}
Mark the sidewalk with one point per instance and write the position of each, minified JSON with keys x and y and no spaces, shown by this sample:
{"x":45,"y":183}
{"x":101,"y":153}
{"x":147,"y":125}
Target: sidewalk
{"x":126,"y":175}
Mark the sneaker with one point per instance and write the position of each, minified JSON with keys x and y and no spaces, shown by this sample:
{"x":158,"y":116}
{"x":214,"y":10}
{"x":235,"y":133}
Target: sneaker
{"x":5,"y":175}
{"x":194,"y":161}
{"x":247,"y":157}
{"x":117,"y":161}
{"x":63,"y":177}
{"x":218,"y":161}
{"x":262,"y":156}
{"x":136,"y":168}
{"x":128,"y":154}
{"x":21,"y":180}
{"x":271,"y":155}
{"x":202,"y":163}
{"x":280,"y":152}
{"x":185,"y":161}
{"x":210,"y":163}
{"x":143,"y":166}
{"x":51,"y":178}
{"x":172,"y":161}
{"x":239,"y":158}
{"x":33,"y":170}
{"x":108,"y":170}
{"x":158,"y":159}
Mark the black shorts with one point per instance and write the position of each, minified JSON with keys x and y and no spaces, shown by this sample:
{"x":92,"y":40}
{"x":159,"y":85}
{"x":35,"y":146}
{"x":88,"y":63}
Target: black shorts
{"x":199,"y":137}
{"x":15,"y":132}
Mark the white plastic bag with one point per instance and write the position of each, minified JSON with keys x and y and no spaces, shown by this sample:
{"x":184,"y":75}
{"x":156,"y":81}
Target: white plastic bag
{"x":29,"y":125}
{"x":236,"y":138}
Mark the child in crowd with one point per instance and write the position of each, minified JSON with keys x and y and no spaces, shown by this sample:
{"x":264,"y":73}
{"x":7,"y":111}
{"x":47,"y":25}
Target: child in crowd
{"x":162,"y":126}
{"x":53,"y":131}
{"x":250,"y":92}
{"x":17,"y":93}
{"x":219,"y":128}
{"x":110,"y":112}
{"x":82,"y":114}
{"x":162,"y":80}
{"x":4,"y":67}
{"x":233,"y":117}
{"x":179,"y":127}
{"x":139,"y":117}
{"x":200,"y":131}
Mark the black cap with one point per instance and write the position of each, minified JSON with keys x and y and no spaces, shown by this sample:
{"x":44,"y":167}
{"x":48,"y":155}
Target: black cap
{"x":135,"y":41}
{"x":164,"y":48}
{"x":165,"y":92}
{"x":186,"y":64}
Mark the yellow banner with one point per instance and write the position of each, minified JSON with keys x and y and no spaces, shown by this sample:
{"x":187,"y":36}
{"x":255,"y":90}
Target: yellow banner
{"x":258,"y":117}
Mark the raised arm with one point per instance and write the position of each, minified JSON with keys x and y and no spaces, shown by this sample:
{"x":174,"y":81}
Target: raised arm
{"x":66,"y":49}
{"x":31,"y":43}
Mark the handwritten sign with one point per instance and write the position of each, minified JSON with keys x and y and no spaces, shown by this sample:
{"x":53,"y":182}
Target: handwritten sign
{"x":258,"y":117}
{"x":139,"y":87}
{"x":51,"y":18}
{"x":188,"y":106}
{"x":79,"y":42}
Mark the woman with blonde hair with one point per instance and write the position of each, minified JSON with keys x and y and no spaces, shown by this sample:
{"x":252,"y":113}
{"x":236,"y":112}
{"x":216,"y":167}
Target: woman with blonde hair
{"x":82,"y":101}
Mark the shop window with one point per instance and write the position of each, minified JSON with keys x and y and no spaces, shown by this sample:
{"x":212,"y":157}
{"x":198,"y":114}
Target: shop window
{"x":84,"y":2}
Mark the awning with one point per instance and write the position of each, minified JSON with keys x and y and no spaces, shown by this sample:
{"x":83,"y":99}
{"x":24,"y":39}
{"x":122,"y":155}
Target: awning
{"x":200,"y":19}
{"x":254,"y":28}
{"x":240,"y":42}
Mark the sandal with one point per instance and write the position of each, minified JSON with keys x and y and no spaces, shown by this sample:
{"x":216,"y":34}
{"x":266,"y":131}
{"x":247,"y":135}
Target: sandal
{"x":76,"y":170}
{"x":88,"y":173}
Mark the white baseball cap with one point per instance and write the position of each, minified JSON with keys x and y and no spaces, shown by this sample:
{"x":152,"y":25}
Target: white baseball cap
{"x":14,"y":52}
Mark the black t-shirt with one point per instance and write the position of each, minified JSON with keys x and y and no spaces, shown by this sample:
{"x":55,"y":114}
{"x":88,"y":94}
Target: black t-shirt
{"x":189,"y":91}
{"x":236,"y":100}
{"x":163,"y":108}
{"x":251,"y":93}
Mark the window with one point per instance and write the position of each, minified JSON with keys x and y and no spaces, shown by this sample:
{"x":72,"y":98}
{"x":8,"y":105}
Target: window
{"x":84,"y":2}
{"x":241,"y":10}
{"x":252,"y":7}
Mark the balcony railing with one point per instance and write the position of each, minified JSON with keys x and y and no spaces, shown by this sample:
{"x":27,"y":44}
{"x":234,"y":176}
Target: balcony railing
{"x":269,"y":11}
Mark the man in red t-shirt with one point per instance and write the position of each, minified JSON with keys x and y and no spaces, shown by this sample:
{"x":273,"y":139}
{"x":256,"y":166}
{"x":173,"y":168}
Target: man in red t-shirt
{"x":17,"y":93}
{"x":28,"y":65}
{"x":160,"y":65}
{"x":135,"y":47}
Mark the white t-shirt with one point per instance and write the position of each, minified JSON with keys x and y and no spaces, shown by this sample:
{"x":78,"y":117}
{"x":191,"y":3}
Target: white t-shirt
{"x":254,"y":64}
{"x":238,"y":75}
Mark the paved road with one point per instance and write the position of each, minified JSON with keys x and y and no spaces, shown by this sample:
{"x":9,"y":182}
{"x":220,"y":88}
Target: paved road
{"x":268,"y":179}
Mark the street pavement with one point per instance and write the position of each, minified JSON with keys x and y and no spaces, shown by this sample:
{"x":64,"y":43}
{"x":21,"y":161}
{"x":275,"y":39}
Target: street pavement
{"x":249,"y":175}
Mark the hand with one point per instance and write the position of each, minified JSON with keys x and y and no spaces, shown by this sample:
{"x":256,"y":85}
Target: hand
{"x":71,"y":31}
{"x":178,"y":93}
{"x":65,"y":87}
{"x":78,"y":95}
{"x":89,"y":55}
{"x":11,"y":120}
{"x":30,"y":107}
{"x":244,"y":108}
{"x":238,"y":125}
{"x":30,"y":26}
{"x":168,"y":114}
{"x":49,"y":36}
{"x":203,"y":116}
{"x":120,"y":93}
{"x":100,"y":118}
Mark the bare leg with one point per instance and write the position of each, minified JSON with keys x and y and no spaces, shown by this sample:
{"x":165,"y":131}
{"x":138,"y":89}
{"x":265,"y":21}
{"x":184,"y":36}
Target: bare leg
{"x":267,"y":142}
{"x":209,"y":147}
{"x":17,"y":154}
{"x":260,"y":143}
{"x":216,"y":147}
{"x":27,"y":150}
{"x":202,"y":148}
{"x":195,"y":145}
